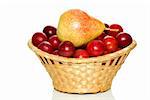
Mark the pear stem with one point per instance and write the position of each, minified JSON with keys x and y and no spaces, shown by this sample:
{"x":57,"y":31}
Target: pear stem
{"x":112,"y":29}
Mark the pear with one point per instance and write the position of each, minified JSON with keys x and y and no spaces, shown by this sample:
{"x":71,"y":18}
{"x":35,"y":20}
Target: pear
{"x":78,"y":27}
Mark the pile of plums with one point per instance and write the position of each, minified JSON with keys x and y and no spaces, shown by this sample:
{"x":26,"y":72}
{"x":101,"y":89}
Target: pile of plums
{"x":109,"y":41}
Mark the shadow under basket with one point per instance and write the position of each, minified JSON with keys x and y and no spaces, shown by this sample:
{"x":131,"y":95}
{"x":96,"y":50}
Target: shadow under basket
{"x":85,"y":75}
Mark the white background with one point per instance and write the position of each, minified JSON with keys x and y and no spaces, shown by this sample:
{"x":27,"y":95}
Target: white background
{"x":22,"y":76}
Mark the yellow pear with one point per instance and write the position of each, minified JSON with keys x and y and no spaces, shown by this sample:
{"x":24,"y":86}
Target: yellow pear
{"x":78,"y":27}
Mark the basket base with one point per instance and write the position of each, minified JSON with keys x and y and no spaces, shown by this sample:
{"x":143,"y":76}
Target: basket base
{"x":84,"y":91}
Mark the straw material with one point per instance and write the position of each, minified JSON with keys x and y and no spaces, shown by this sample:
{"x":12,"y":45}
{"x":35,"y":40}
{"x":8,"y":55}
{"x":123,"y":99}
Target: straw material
{"x":85,"y":75}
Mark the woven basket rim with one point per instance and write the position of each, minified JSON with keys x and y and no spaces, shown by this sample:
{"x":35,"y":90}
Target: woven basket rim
{"x":82,"y":60}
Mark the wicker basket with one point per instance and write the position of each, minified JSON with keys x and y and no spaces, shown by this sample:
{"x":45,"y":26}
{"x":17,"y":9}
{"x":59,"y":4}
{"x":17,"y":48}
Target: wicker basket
{"x":86,"y":75}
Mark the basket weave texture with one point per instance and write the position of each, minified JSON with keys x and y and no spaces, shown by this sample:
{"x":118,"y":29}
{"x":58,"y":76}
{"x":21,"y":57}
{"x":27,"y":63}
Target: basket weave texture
{"x":86,"y":75}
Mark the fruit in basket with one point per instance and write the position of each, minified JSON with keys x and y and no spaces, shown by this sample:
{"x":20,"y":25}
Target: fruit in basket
{"x":81,"y":53}
{"x":79,"y":35}
{"x":95,"y":48}
{"x":78,"y":27}
{"x":46,"y":46}
{"x":115,"y":26}
{"x":111,"y":43}
{"x":49,"y":31}
{"x":54,"y":41}
{"x":38,"y":37}
{"x":124,"y":39}
{"x":66,"y":49}
{"x":102,"y":45}
{"x":78,"y":75}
